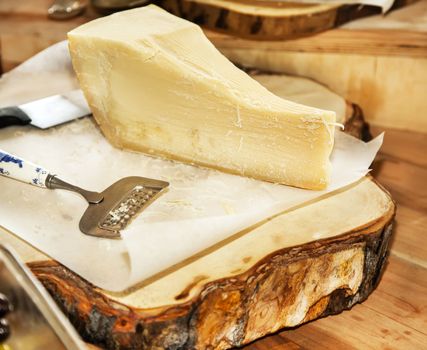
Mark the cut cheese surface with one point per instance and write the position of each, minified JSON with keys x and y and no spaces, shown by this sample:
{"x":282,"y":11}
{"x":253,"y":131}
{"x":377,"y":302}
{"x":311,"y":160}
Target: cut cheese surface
{"x":155,"y":84}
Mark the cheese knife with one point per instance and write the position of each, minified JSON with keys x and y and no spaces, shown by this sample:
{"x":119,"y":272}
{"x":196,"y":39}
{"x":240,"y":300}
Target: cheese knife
{"x":46,"y":112}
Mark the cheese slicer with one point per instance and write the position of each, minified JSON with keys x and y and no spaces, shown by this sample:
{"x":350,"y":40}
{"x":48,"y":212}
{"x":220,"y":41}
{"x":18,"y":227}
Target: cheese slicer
{"x":108,"y":212}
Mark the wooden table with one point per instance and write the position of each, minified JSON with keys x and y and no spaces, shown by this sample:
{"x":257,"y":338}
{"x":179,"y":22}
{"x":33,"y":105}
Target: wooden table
{"x":395,"y":315}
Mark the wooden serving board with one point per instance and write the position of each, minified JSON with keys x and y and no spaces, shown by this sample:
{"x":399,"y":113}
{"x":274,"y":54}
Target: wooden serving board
{"x":253,"y":284}
{"x":271,"y":277}
{"x":268,"y":20}
{"x":266,"y":279}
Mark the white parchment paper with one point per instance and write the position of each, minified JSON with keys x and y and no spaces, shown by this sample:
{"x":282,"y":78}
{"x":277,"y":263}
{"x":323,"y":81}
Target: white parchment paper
{"x":201,"y":208}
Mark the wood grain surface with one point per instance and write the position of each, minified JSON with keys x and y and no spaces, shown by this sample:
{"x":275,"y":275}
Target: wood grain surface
{"x":395,"y":314}
{"x":378,"y":42}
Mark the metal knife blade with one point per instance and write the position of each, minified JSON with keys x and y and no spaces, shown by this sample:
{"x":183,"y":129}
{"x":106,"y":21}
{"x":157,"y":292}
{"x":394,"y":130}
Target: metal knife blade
{"x":46,"y":112}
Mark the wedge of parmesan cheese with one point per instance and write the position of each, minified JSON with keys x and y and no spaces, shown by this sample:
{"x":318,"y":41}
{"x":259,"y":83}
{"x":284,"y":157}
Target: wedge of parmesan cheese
{"x":156,"y":84}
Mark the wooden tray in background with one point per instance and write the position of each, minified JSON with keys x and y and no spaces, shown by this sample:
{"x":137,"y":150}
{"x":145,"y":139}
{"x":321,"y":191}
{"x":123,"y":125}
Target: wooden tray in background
{"x":269,"y":20}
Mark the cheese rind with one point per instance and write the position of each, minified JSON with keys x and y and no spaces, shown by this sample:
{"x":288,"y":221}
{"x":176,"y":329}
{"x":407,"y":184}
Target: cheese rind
{"x":155,"y":84}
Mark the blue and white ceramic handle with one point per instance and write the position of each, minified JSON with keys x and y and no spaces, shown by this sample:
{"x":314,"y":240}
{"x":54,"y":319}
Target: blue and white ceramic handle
{"x":22,"y":170}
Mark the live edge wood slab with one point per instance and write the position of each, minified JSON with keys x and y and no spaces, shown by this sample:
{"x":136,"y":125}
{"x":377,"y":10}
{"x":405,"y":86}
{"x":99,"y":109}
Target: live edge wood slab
{"x":279,"y":274}
{"x":269,"y":20}
{"x":315,"y":260}
{"x":271,"y":277}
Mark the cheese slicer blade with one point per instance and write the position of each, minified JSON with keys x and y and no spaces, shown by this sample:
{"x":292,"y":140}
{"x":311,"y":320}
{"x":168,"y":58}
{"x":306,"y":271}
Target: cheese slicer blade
{"x":109,"y":211}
